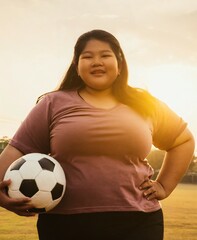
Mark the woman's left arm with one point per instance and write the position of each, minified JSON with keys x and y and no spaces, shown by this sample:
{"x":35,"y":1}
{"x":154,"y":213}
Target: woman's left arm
{"x":175,"y":164}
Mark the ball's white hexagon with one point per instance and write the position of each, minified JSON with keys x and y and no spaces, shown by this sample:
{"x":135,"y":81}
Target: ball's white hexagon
{"x":53,"y":204}
{"x":30,"y":169}
{"x":45,"y":180}
{"x":59,"y":174}
{"x":46,"y":199}
{"x":15,"y":194}
{"x":15,"y":178}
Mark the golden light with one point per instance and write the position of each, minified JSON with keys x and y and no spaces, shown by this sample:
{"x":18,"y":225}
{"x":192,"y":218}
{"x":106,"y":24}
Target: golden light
{"x":175,"y":84}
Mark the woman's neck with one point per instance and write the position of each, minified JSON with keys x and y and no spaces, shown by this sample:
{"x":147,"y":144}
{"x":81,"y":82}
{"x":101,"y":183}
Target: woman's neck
{"x":99,"y":98}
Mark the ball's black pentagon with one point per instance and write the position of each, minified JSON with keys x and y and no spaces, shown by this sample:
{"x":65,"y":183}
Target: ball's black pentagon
{"x":57,"y":191}
{"x":47,"y":164}
{"x":28,"y":187}
{"x":18,"y":165}
{"x":37,"y":210}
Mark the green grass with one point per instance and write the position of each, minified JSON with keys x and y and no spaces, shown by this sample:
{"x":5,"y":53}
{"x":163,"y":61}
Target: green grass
{"x":180,"y":214}
{"x":14,"y":227}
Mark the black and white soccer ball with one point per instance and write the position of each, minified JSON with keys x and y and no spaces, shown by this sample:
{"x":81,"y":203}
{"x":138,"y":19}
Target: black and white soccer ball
{"x":39,"y":177}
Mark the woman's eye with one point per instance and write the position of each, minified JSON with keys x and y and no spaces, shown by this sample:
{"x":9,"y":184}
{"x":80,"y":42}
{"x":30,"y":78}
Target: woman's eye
{"x":106,"y":55}
{"x":86,"y":57}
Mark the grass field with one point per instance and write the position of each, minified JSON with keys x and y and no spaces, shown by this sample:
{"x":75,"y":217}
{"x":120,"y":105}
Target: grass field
{"x":180,"y":214}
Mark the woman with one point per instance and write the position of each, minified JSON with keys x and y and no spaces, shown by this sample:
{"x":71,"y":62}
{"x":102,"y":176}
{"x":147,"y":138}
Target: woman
{"x":101,"y":131}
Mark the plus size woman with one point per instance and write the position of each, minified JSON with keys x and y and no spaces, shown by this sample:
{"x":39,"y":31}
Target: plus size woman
{"x":101,"y":130}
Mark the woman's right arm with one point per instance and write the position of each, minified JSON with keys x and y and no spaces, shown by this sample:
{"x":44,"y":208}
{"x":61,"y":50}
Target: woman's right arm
{"x":19,"y":206}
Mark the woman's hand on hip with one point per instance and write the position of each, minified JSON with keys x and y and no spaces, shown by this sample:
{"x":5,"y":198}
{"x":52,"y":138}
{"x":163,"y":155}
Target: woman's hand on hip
{"x":153,"y":190}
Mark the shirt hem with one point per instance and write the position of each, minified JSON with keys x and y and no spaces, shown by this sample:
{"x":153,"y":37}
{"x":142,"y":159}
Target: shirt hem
{"x":105,"y":209}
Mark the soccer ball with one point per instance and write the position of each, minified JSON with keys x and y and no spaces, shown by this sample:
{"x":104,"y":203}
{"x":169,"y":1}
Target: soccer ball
{"x":39,"y":177}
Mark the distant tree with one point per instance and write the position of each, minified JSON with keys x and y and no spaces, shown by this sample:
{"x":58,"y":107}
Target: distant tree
{"x":3,"y":142}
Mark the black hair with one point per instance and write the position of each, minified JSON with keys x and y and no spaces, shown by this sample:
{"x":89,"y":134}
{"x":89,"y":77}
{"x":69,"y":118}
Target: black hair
{"x":138,"y":99}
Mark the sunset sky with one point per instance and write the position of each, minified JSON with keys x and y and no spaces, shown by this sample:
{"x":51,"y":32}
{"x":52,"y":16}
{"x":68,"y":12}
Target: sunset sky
{"x":158,"y":37}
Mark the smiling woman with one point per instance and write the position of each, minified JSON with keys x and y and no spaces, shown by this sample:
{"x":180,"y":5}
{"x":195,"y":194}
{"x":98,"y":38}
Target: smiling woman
{"x":101,"y":130}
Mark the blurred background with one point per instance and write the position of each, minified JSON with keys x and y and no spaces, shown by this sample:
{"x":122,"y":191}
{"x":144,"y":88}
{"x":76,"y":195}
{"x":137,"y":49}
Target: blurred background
{"x":37,"y":39}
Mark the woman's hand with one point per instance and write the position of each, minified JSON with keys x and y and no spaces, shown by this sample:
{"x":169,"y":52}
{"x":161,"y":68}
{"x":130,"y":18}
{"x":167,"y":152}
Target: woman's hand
{"x":20,"y":206}
{"x":153,"y":190}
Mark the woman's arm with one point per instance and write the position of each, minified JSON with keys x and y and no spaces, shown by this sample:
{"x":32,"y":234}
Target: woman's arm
{"x":175,"y":164}
{"x":19,"y":206}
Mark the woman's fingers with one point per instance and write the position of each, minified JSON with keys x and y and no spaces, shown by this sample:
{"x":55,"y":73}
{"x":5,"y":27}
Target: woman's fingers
{"x":19,"y":206}
{"x":4,"y":184}
{"x":152,"y":190}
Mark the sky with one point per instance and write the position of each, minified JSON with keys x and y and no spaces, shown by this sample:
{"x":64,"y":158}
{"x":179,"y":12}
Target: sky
{"x":158,"y":37}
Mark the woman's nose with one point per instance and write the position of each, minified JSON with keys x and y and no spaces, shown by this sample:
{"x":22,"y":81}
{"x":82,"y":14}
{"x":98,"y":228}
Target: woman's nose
{"x":97,"y":61}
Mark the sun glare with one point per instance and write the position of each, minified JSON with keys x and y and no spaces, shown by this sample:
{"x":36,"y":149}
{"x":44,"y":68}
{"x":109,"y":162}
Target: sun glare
{"x":174,"y":84}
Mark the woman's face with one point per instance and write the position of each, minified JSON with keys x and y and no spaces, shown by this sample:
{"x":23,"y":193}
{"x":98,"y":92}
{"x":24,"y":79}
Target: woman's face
{"x":98,"y":65}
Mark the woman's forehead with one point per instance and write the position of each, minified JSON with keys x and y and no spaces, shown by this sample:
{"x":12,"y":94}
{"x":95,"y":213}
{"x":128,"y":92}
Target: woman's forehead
{"x":97,"y":45}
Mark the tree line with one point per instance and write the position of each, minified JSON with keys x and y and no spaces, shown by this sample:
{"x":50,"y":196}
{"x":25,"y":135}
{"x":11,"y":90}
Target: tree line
{"x":156,"y":157}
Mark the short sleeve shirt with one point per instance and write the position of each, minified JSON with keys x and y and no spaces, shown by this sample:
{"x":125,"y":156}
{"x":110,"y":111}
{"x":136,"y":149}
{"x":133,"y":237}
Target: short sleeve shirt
{"x":103,"y":152}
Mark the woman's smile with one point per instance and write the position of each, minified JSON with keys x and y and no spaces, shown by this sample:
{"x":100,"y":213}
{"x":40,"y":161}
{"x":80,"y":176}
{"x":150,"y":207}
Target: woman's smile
{"x":98,"y":72}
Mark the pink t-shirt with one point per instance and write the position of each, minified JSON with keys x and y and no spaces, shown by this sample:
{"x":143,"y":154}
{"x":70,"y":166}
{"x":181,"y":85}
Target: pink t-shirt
{"x":103,"y":152}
